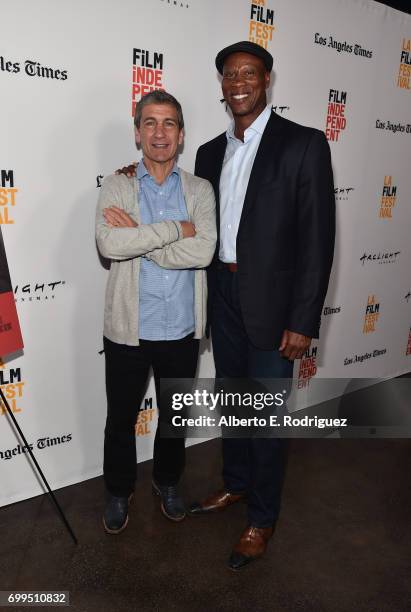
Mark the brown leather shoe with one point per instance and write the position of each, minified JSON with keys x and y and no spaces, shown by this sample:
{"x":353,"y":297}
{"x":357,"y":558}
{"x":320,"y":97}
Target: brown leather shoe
{"x":251,"y":546}
{"x":215,"y":502}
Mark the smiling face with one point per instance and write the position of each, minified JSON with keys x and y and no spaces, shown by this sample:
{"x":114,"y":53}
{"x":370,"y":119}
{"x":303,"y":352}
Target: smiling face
{"x":244,"y":84}
{"x":159,"y":133}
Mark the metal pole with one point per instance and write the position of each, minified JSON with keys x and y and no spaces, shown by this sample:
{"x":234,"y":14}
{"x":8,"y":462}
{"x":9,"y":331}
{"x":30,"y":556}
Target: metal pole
{"x":60,"y":511}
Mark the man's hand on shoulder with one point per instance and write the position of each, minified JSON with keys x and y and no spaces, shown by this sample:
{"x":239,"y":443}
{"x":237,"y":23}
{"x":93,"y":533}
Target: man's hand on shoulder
{"x":293,"y":345}
{"x":116,"y":217}
{"x":189,"y":230}
{"x":129,"y":171}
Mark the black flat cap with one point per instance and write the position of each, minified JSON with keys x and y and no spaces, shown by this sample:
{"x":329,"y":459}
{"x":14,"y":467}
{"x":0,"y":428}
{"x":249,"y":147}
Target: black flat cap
{"x":246,"y":47}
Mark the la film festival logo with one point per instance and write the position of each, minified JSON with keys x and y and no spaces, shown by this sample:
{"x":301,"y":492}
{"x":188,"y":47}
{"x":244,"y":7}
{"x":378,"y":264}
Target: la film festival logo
{"x":308,"y":367}
{"x":261,"y":26}
{"x":12,"y":386}
{"x":336,"y":121}
{"x":145,"y":418}
{"x":388,"y":198}
{"x":404,"y":71}
{"x":32,"y":68}
{"x":8,"y":197}
{"x":372,"y":313}
{"x":147,"y":74}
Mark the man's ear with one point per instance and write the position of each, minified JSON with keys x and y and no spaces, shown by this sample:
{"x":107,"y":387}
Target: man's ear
{"x":137,"y":134}
{"x":181,"y":137}
{"x":267,"y":80}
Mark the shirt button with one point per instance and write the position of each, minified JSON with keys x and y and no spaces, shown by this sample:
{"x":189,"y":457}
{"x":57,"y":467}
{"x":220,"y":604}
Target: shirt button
{"x":229,"y":226}
{"x":160,"y":192}
{"x":161,"y":212}
{"x":166,"y":277}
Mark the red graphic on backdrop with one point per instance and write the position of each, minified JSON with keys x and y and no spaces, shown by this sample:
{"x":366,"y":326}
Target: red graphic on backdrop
{"x":336,"y":121}
{"x":308,"y":367}
{"x":10,"y":334}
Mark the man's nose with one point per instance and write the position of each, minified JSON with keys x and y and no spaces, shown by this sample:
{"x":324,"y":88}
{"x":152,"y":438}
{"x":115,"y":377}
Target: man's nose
{"x":238,"y":78}
{"x":159,"y":131}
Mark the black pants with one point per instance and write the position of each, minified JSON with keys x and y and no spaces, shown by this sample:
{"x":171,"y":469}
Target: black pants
{"x":127,"y":370}
{"x":255,"y":465}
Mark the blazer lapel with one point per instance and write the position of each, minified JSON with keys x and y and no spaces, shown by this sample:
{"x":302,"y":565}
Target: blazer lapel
{"x":266,"y":161}
{"x":215,"y":173}
{"x":217,"y":167}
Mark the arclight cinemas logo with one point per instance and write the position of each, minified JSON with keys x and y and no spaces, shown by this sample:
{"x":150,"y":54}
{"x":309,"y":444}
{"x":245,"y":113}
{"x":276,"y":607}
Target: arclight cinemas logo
{"x":342,"y":193}
{"x":336,"y":121}
{"x":280,"y":109}
{"x":382,"y":257}
{"x":38,"y":291}
{"x":174,"y":3}
{"x":147,"y":74}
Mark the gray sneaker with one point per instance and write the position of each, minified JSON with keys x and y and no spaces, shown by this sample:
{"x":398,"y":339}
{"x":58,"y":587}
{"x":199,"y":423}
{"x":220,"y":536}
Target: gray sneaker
{"x":172,"y":506}
{"x":115,"y":518}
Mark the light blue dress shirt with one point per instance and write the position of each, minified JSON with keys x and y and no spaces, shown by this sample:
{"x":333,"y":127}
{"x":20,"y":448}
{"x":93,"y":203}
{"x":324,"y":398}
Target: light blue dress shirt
{"x":166,"y":300}
{"x":238,"y":162}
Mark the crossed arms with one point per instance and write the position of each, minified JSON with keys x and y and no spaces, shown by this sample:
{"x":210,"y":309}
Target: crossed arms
{"x":170,"y":244}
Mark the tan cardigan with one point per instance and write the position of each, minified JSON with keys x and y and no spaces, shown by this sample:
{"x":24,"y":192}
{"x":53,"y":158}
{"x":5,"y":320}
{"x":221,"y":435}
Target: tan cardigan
{"x":161,"y":242}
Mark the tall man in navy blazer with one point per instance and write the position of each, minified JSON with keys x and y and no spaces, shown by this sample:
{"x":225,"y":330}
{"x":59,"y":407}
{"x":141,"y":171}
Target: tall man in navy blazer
{"x":275,"y":200}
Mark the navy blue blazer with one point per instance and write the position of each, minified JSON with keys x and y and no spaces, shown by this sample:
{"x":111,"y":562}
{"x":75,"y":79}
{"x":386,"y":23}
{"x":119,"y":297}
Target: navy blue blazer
{"x":285,"y":240}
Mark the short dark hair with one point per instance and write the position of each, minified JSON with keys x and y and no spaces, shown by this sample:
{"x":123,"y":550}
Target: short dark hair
{"x":158,"y":97}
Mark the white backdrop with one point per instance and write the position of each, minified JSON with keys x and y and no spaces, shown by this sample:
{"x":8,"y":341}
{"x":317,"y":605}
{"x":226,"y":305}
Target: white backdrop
{"x":66,"y":75}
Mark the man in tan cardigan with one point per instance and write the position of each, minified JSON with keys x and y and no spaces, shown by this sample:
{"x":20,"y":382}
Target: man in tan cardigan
{"x":158,"y":230}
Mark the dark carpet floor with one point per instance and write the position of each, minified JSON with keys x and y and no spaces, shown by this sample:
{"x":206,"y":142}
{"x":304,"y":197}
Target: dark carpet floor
{"x":343,"y":542}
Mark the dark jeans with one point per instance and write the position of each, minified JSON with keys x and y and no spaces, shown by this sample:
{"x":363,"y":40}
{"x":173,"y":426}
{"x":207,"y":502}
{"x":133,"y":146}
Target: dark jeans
{"x":255,"y":465}
{"x":127,"y":370}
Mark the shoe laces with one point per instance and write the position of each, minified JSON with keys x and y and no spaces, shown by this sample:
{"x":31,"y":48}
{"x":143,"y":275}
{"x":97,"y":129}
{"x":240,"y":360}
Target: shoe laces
{"x":170,"y":491}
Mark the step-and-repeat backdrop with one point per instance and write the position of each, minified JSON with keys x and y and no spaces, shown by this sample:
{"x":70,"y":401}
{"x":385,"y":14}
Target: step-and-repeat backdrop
{"x":70,"y":74}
